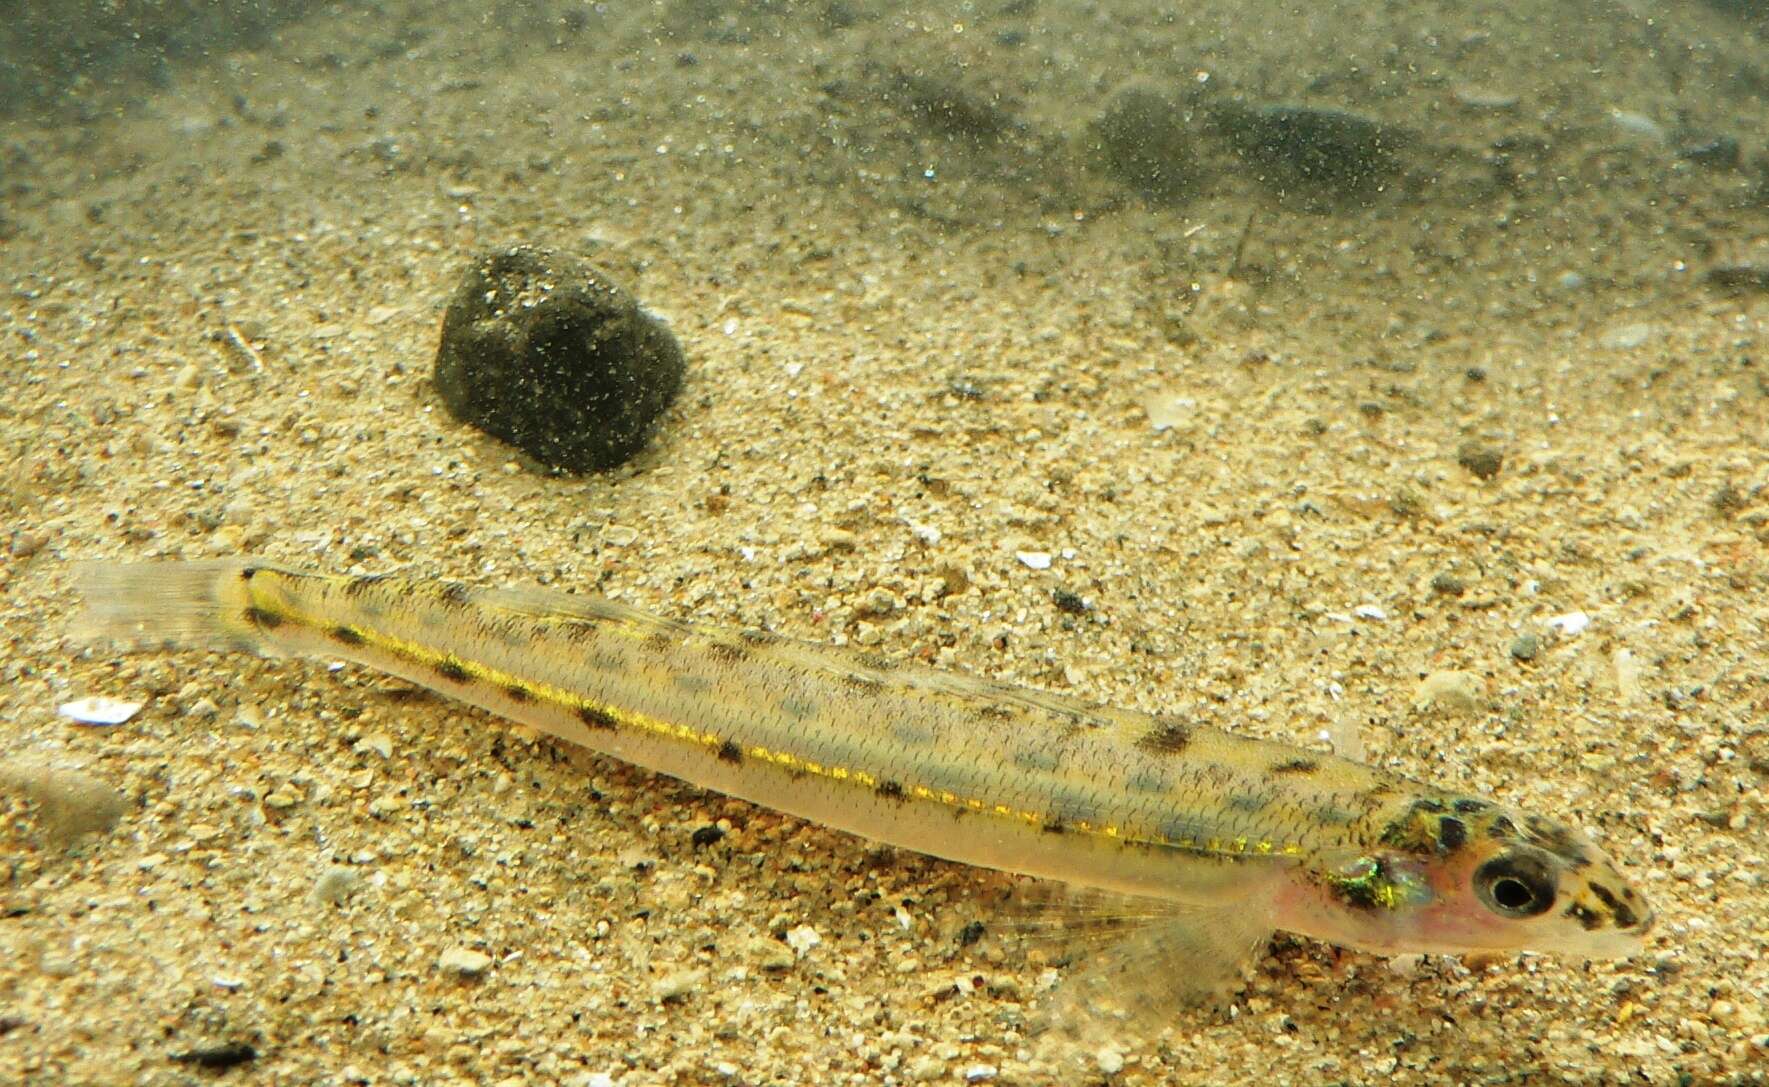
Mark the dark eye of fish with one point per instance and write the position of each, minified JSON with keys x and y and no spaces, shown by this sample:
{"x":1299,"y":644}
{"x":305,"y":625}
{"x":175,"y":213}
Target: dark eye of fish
{"x":1515,"y":885}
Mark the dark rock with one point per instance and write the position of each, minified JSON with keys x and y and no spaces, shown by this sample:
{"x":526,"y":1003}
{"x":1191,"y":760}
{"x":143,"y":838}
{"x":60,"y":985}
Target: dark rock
{"x":1322,"y":156}
{"x":1445,"y":583}
{"x":220,"y":1057}
{"x":706,"y":835}
{"x":1721,"y":152}
{"x":1069,"y":601}
{"x":948,"y":109}
{"x":1525,"y":647}
{"x":1739,"y":278}
{"x":1482,"y":461}
{"x":1743,"y":9}
{"x":545,"y":352}
{"x":1145,"y":142}
{"x":1727,"y":500}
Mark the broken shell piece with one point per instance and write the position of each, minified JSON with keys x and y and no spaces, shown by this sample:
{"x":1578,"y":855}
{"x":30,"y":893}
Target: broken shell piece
{"x":1166,"y":411}
{"x":1571,"y":624}
{"x":99,"y":710}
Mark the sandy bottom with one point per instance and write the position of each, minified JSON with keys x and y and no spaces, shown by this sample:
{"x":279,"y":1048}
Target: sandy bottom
{"x":924,"y":337}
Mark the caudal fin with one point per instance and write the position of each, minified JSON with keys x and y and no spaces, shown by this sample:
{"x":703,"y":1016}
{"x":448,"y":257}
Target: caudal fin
{"x":143,"y":605}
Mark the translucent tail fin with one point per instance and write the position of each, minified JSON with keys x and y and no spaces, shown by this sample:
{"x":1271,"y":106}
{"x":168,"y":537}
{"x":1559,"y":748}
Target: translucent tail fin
{"x":165,"y":604}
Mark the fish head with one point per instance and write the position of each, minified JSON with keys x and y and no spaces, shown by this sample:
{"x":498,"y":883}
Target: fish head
{"x":1451,"y":875}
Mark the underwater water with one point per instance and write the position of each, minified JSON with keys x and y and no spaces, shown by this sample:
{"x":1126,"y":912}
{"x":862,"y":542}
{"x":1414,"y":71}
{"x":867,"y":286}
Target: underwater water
{"x":1279,"y":367}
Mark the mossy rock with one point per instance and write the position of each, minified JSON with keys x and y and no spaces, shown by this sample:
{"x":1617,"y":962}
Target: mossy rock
{"x":547,"y":353}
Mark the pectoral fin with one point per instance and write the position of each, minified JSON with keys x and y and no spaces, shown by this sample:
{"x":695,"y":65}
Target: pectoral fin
{"x":1171,"y":961}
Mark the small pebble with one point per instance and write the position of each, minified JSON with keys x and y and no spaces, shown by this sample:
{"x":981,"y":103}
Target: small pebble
{"x":336,"y":884}
{"x":1450,"y":691}
{"x":1481,"y":461}
{"x":1109,"y":1061}
{"x":464,"y":961}
{"x":282,"y":798}
{"x":980,"y":1073}
{"x":1483,"y":98}
{"x":1637,"y":124}
{"x":1037,"y":560}
{"x":70,"y":803}
{"x":379,"y":743}
{"x":26,"y":543}
{"x":1068,"y":601}
{"x":803,"y":939}
{"x":769,"y":955}
{"x":1448,"y":584}
{"x":1405,"y":966}
{"x":677,"y":985}
{"x":203,"y":709}
{"x":1627,"y":337}
{"x":56,"y":966}
{"x":706,"y":835}
{"x":1525,"y":647}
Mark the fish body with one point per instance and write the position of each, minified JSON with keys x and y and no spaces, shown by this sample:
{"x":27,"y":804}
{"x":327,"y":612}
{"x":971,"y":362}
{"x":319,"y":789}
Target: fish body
{"x":984,"y":773}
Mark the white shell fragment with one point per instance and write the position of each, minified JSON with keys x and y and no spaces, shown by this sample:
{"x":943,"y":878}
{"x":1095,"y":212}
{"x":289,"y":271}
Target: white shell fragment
{"x":99,"y":710}
{"x":1166,"y":412}
{"x":1037,"y":560}
{"x":927,"y":534}
{"x":1571,"y":624}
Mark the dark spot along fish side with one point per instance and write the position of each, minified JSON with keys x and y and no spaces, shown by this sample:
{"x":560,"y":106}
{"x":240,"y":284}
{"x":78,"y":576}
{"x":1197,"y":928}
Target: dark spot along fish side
{"x":1167,"y":737}
{"x":1295,"y":766}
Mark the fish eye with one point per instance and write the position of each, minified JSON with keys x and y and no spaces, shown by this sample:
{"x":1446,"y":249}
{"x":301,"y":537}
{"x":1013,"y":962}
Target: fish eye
{"x":1515,"y":885}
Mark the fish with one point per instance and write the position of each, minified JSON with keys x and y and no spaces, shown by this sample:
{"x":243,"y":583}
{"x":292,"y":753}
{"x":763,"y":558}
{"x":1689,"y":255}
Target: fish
{"x":1212,"y":839}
